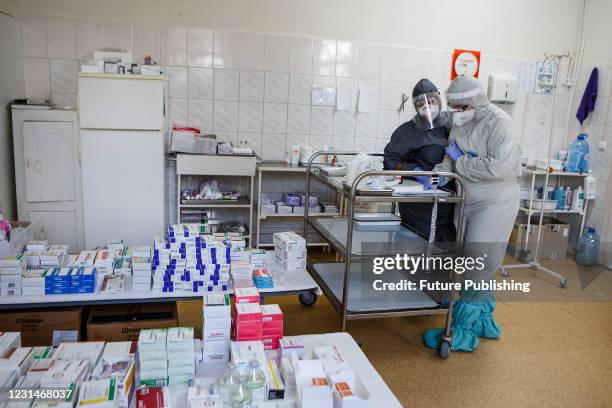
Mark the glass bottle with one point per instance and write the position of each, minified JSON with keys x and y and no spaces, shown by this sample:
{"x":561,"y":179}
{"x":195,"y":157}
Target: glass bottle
{"x":241,"y":394}
{"x":256,"y":381}
{"x":228,"y":382}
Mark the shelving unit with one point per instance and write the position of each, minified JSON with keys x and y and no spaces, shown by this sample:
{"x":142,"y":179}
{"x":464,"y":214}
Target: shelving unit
{"x":534,"y":173}
{"x":280,"y":167}
{"x":217,"y":166}
{"x":343,"y":283}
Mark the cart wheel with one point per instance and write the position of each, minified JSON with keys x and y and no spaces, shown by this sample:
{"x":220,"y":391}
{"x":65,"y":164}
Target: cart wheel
{"x":444,"y":350}
{"x":308,"y":299}
{"x":504,"y":272}
{"x":563,"y":283}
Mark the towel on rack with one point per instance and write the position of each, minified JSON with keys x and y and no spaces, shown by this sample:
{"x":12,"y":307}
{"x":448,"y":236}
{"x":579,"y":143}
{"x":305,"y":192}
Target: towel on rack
{"x":587,"y":104}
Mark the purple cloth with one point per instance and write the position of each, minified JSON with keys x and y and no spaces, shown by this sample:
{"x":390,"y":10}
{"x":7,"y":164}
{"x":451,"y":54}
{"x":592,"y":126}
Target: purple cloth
{"x":587,"y":104}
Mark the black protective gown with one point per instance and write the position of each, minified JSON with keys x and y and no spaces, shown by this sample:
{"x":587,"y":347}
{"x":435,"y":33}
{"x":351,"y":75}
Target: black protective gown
{"x":411,"y":147}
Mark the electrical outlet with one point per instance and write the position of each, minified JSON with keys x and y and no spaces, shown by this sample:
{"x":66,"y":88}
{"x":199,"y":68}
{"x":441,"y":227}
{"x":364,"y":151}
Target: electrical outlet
{"x":602,"y":145}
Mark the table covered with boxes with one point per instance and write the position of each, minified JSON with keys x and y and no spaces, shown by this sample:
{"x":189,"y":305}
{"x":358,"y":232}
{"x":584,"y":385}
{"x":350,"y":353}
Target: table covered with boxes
{"x":169,"y":368}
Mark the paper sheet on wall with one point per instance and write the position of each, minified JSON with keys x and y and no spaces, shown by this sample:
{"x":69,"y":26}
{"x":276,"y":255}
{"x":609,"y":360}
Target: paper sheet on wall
{"x":368,"y":98}
{"x":347,"y":94}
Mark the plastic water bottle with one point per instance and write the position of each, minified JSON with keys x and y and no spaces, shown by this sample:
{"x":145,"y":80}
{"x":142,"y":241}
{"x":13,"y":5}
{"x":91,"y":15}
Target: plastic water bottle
{"x":588,"y":247}
{"x":561,"y":197}
{"x":241,"y":394}
{"x":256,"y":381}
{"x":577,"y":160}
{"x":228,"y":383}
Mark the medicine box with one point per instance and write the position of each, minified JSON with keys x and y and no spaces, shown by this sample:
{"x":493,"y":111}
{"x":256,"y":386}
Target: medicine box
{"x":348,"y":390}
{"x":87,"y":350}
{"x":313,"y":389}
{"x":332,"y":359}
{"x":216,"y":305}
{"x":119,"y":349}
{"x":246,"y":295}
{"x":288,"y":241}
{"x":20,"y":358}
{"x":290,"y":345}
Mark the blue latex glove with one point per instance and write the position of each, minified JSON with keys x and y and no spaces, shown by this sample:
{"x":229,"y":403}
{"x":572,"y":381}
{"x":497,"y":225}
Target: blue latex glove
{"x":453,"y":151}
{"x":424,"y":180}
{"x":472,"y":153}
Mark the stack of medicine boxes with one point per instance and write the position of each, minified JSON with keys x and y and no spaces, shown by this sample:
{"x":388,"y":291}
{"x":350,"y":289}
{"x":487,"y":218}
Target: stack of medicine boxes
{"x":290,"y":250}
{"x":272,"y":326}
{"x":141,"y":268}
{"x":82,"y":279}
{"x":181,"y":355}
{"x":152,"y":357}
{"x":57,"y":281}
{"x":11,"y":270}
{"x":188,"y":262}
{"x":247,"y":315}
{"x":216,"y":328}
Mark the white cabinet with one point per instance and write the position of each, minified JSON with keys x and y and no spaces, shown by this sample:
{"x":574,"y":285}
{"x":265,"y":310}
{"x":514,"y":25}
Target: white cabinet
{"x":123,"y":192}
{"x":50,"y":164}
{"x":128,"y":103}
{"x":123,"y":157}
{"x":48,"y":173}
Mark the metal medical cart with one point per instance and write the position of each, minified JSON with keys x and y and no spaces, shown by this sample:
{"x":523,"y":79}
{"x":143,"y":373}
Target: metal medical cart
{"x":340,"y":282}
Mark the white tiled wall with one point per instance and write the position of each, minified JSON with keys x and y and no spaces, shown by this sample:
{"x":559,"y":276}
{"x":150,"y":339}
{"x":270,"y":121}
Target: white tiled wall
{"x":257,"y":87}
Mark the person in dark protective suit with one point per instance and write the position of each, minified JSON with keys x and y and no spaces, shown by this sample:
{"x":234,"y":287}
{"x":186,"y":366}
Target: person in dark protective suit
{"x":419,"y":144}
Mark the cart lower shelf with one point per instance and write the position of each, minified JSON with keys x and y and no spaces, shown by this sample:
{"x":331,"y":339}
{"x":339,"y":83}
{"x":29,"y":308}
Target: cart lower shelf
{"x":362,"y":298}
{"x":379,"y":240}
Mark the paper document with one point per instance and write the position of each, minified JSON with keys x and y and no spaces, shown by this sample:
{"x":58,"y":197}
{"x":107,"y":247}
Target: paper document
{"x":346,"y":94}
{"x":368,"y":97}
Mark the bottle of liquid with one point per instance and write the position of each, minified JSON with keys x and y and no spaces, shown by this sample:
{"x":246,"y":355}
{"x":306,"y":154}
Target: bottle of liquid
{"x":568,"y":198}
{"x":578,"y":199}
{"x":578,"y":150}
{"x":241,"y":394}
{"x":588,"y":247}
{"x":256,"y":381}
{"x":589,"y":187}
{"x":228,"y":382}
{"x":560,"y":196}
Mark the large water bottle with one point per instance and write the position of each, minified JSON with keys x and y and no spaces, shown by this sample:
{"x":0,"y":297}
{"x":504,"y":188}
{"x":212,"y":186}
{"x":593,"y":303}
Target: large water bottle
{"x":228,"y":383}
{"x":588,"y":247}
{"x":241,"y":394}
{"x":577,"y":160}
{"x":256,"y":381}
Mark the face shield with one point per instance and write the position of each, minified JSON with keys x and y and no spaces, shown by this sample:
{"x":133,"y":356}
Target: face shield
{"x":427,"y":107}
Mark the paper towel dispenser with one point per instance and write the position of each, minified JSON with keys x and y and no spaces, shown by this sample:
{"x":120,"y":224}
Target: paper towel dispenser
{"x":502,"y":88}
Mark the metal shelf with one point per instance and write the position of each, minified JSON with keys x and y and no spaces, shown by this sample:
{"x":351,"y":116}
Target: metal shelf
{"x":363,"y":299}
{"x":381,"y":196}
{"x":279,"y":167}
{"x":242,"y":202}
{"x":534,"y":211}
{"x":335,"y":231}
{"x":540,"y":172}
{"x":310,"y":214}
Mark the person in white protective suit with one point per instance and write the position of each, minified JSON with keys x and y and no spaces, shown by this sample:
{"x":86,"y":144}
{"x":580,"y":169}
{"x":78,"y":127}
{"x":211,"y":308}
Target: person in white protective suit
{"x":483,"y":152}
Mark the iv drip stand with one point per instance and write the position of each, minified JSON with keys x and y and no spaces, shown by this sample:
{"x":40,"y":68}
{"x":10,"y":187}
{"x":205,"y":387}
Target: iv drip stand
{"x":535,"y":264}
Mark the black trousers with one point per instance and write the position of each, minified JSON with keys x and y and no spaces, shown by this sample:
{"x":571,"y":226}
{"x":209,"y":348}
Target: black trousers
{"x":417,"y":217}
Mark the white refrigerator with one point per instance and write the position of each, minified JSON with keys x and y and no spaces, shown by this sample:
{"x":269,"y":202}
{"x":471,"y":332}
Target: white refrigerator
{"x":122,"y":157}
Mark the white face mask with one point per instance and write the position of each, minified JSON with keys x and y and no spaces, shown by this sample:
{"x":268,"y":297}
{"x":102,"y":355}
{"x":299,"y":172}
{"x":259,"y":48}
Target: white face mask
{"x":429,"y":112}
{"x":461,"y":118}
